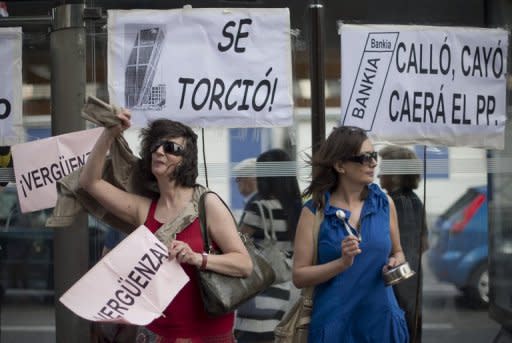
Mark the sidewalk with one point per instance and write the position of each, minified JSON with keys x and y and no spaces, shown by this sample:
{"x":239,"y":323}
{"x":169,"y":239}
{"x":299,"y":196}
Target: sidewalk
{"x":24,"y":322}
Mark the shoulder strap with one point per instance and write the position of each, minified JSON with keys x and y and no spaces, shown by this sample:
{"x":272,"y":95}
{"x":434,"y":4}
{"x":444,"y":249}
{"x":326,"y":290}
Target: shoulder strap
{"x":168,"y":231}
{"x":319,"y":217}
{"x":261,"y":209}
{"x":201,"y":209}
{"x":271,"y":219}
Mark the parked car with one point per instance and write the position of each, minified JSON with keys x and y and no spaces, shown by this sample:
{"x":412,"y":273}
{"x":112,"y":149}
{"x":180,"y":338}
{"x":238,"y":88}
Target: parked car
{"x":26,"y":248}
{"x":459,"y":246}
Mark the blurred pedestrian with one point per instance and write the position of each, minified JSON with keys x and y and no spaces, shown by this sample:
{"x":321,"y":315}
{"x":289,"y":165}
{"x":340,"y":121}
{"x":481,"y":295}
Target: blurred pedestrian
{"x":413,"y":233}
{"x":275,"y":207}
{"x":112,"y":239}
{"x":245,"y":177}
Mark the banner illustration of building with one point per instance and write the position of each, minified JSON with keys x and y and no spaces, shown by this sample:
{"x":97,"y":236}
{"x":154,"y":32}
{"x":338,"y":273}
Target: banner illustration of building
{"x":140,"y":92}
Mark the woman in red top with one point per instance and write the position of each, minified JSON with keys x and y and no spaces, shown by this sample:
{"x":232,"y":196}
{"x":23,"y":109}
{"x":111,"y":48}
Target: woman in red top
{"x":169,"y":156}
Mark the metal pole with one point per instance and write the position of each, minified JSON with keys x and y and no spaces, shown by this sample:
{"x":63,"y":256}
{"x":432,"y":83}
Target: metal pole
{"x":68,"y":81}
{"x":25,"y":21}
{"x":317,"y":74}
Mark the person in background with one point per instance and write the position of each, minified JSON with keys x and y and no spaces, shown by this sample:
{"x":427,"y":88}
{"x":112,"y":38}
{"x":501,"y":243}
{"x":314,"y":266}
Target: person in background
{"x":169,"y":157}
{"x":413,"y":234}
{"x":112,"y":239}
{"x":245,"y":177}
{"x":277,"y":205}
{"x":351,"y":301}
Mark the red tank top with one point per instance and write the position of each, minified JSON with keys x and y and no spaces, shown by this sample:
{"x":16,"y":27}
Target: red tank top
{"x":185,"y":317}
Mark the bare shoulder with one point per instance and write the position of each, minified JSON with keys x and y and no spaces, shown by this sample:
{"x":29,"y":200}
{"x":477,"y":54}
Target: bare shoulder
{"x":306,"y":219}
{"x":215,"y":206}
{"x":213,"y":200}
{"x":390,"y":200}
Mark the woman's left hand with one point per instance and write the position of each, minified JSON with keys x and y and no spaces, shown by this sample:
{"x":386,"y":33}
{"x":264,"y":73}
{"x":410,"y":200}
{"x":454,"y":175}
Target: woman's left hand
{"x":393,"y":262}
{"x":182,"y":252}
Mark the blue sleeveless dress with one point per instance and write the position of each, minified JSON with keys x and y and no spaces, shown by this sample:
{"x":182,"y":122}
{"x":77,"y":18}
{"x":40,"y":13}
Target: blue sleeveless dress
{"x":356,"y":306}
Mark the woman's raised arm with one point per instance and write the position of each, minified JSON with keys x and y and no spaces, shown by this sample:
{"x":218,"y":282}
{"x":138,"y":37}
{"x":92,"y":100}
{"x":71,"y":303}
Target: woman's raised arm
{"x":127,"y":206}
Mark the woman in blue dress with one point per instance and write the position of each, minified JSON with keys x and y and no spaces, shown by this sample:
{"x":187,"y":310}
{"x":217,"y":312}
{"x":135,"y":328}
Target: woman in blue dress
{"x":351,"y":303}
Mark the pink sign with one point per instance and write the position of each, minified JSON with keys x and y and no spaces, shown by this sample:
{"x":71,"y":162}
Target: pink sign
{"x":133,"y":283}
{"x":38,"y":165}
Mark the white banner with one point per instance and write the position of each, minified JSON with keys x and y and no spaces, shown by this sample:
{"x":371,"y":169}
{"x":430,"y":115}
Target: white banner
{"x":10,"y":80}
{"x":38,"y":165}
{"x":133,"y":283}
{"x":424,"y":84}
{"x":203,"y":67}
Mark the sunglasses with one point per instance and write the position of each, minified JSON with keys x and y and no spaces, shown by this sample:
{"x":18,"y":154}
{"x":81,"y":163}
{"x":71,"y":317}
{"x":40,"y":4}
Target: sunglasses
{"x":169,"y":148}
{"x":365,"y":158}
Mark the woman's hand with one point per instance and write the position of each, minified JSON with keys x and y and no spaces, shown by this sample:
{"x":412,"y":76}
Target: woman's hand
{"x":124,"y":117}
{"x":349,"y":250}
{"x":182,"y":252}
{"x":395,"y":260}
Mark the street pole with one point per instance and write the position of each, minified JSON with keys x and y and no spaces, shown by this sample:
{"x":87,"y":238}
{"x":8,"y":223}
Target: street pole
{"x":317,"y":74}
{"x":68,"y":81}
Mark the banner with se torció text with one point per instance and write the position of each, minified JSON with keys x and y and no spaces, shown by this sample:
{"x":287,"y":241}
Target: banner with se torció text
{"x":203,"y":67}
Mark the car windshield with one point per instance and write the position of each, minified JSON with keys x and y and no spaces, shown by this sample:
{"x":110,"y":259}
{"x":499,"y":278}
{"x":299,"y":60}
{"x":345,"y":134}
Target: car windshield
{"x":461,"y":203}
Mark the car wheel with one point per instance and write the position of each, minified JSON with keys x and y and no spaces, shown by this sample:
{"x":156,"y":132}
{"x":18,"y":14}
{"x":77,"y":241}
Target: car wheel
{"x":478,"y":288}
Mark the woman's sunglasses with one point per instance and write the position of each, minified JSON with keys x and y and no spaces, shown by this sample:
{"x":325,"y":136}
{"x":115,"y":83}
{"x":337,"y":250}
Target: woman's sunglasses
{"x":169,"y":148}
{"x":365,"y":158}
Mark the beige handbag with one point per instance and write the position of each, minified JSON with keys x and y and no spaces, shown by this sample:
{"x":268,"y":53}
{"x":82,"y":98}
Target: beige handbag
{"x":294,"y":327}
{"x":223,"y":293}
{"x":270,"y":247}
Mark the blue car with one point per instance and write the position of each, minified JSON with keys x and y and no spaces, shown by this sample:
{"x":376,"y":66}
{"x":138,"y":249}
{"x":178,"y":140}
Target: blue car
{"x":459,"y":249}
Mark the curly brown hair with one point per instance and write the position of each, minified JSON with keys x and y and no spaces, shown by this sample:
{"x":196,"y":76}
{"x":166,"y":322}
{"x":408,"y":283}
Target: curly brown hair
{"x":343,"y":142}
{"x":186,"y":172}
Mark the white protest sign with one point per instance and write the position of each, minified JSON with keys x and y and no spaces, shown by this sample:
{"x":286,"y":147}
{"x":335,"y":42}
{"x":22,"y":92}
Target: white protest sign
{"x":203,"y":67}
{"x":424,"y":84}
{"x":10,"y":80}
{"x":38,"y":165}
{"x":133,"y":283}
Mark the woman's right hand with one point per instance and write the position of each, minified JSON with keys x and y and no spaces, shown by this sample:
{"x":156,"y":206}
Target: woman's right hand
{"x":349,"y":250}
{"x":124,"y":117}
